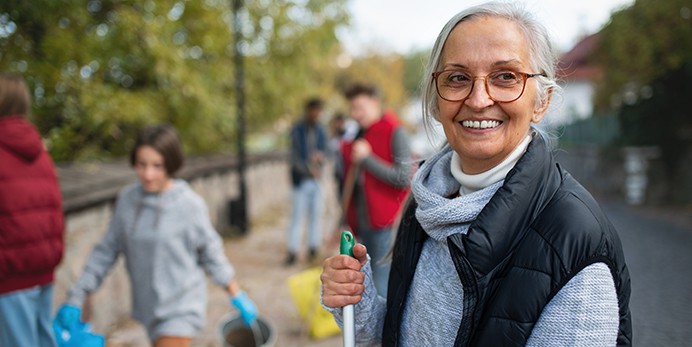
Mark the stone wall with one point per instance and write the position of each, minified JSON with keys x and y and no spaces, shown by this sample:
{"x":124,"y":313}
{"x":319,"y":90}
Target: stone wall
{"x":216,"y":180}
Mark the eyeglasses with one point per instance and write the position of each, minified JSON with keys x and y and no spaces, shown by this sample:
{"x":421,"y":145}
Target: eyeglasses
{"x":502,"y":86}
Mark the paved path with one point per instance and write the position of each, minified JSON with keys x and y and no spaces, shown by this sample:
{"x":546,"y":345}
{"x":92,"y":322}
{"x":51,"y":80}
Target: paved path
{"x":658,"y":251}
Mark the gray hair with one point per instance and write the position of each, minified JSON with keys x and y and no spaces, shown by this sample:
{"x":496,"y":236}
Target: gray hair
{"x":540,"y":51}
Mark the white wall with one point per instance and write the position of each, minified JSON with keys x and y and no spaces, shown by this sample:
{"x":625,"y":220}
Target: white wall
{"x":574,"y":102}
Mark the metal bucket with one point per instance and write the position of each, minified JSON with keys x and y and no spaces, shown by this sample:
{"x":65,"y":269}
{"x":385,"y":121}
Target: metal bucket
{"x":234,"y":333}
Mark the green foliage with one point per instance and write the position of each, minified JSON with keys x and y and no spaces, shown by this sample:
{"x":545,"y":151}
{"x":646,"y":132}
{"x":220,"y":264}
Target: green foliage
{"x":641,"y":43}
{"x":100,"y":69}
{"x":292,"y":53}
{"x":414,"y":66}
{"x":663,"y":118}
{"x":646,"y":50}
{"x":384,"y":71}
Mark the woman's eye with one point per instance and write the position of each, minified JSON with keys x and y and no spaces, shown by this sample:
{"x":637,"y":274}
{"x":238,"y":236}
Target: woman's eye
{"x":458,"y":78}
{"x":505,"y":79}
{"x":506,"y":76}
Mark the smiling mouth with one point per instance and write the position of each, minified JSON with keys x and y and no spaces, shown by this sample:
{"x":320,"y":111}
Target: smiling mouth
{"x":484,"y":124}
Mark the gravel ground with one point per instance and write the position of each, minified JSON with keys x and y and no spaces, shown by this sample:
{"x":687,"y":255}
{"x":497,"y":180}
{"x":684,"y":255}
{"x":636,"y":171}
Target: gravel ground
{"x":259,"y":262}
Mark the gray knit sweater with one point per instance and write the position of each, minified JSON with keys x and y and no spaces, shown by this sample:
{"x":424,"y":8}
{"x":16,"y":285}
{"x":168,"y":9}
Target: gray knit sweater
{"x":168,"y":242}
{"x":583,"y":313}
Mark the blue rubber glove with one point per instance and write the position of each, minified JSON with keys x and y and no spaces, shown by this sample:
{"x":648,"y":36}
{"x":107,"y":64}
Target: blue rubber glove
{"x":247,"y":308}
{"x":68,"y":316}
{"x":70,"y":331}
{"x":66,"y":321}
{"x":84,"y":338}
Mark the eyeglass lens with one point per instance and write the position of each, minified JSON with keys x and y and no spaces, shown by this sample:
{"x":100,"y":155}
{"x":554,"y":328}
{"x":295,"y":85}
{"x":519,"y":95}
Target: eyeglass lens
{"x":501,"y":86}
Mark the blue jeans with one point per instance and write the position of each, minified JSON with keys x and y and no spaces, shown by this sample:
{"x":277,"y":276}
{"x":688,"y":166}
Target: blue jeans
{"x":378,"y":242}
{"x":307,"y":199}
{"x":25,"y":317}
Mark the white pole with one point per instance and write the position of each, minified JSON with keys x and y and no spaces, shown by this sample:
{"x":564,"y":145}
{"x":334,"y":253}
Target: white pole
{"x":349,"y":326}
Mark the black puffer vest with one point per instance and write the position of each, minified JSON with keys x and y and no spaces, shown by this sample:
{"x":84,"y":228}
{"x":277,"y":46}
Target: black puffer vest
{"x":539,"y":230}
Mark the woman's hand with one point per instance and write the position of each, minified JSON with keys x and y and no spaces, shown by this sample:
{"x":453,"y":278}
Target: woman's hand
{"x":342,"y":280}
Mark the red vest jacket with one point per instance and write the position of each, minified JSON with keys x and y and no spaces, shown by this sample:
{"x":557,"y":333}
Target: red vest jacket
{"x":31,"y":217}
{"x":384,"y":200}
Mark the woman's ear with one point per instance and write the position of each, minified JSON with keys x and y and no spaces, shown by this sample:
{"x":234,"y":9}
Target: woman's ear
{"x":540,"y":110}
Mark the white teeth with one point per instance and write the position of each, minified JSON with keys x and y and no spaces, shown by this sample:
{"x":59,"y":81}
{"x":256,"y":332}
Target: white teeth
{"x":480,"y":125}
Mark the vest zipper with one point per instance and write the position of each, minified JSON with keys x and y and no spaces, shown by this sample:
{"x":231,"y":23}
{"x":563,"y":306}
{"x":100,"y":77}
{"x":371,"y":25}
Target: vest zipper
{"x":471,"y":293}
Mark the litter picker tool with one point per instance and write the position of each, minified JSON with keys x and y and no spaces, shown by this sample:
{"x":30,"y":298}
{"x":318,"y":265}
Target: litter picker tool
{"x":347,"y":243}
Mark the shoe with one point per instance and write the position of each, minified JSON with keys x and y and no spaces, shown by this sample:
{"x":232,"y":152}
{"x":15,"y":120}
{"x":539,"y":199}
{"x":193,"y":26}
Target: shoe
{"x":312,"y":254}
{"x":291,"y":259}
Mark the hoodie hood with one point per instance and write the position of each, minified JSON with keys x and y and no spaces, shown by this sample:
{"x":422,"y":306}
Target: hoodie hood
{"x":20,"y":137}
{"x":167,"y":197}
{"x":157,"y":202}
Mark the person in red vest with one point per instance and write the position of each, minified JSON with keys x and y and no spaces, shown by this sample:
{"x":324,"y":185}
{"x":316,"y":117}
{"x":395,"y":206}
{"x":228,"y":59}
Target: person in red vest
{"x":380,"y":161}
{"x":31,"y":223}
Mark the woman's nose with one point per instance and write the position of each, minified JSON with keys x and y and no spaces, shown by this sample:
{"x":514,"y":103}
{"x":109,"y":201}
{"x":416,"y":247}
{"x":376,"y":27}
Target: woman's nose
{"x":479,"y":97}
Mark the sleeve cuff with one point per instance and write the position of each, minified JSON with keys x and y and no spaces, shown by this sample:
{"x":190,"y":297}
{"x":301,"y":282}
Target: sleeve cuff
{"x":222,"y":278}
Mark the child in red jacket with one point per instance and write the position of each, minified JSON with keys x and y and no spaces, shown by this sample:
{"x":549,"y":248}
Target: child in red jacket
{"x":31,"y":223}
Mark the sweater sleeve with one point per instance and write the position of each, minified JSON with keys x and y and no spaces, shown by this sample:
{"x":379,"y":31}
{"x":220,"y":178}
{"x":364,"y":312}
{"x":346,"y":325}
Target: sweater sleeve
{"x":210,"y":250}
{"x":99,"y":263}
{"x":583,"y":313}
{"x":369,"y":313}
{"x":398,"y":173}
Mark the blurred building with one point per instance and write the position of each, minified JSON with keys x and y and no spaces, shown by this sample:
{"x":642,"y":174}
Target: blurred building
{"x":577,"y":75}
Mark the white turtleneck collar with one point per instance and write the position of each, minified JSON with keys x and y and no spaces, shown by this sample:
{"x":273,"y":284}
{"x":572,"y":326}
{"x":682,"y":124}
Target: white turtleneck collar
{"x":473,"y":183}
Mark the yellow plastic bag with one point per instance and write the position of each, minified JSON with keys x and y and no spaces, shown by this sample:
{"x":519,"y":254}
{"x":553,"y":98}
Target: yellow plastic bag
{"x":305,"y":290}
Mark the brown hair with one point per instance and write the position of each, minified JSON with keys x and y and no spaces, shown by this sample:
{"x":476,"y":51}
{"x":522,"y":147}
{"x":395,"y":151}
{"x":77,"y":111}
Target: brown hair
{"x":164,"y":139}
{"x":359,"y":89}
{"x":314,"y":103}
{"x":15,"y":99}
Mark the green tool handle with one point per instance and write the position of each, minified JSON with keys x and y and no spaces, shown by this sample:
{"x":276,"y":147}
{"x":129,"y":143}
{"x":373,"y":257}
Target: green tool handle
{"x":347,"y":243}
{"x":349,"y":318}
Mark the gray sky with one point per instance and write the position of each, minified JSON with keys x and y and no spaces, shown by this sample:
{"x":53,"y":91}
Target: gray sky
{"x":402,"y":25}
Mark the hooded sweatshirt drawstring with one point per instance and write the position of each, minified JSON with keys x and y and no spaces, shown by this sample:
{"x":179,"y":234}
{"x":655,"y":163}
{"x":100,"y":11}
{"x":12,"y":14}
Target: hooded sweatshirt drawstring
{"x":159,"y":210}
{"x":138,"y":212}
{"x":140,"y":205}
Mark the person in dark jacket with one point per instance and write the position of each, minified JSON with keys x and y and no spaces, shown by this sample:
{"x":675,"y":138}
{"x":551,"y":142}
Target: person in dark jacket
{"x":308,"y":155}
{"x":31,"y":223}
{"x":499,"y":245}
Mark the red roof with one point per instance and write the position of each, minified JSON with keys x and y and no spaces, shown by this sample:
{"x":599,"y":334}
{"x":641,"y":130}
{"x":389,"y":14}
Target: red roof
{"x":576,"y":64}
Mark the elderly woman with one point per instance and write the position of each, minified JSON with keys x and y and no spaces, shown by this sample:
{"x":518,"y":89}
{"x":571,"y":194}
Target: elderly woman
{"x":499,"y":245}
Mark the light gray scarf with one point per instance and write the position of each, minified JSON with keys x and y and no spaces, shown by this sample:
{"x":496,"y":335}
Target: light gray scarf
{"x":439,"y":215}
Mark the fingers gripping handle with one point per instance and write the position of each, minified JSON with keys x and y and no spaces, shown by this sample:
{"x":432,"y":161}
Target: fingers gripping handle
{"x":346,"y":248}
